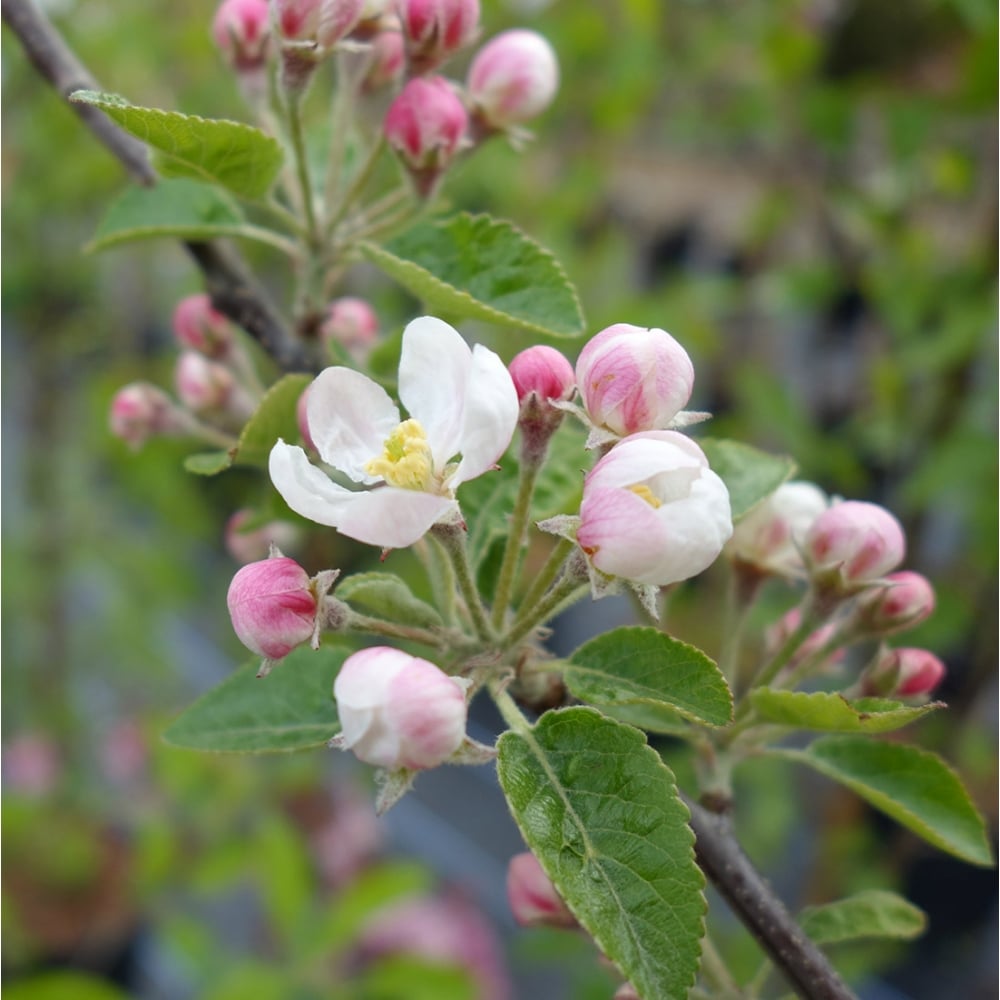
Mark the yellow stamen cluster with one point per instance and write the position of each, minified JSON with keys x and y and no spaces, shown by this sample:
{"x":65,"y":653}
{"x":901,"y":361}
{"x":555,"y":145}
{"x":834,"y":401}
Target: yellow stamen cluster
{"x":406,"y":460}
{"x":647,"y":494}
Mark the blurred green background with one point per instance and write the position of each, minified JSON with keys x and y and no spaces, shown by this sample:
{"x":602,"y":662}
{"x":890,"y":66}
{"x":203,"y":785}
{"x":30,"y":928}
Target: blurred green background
{"x":802,"y":191}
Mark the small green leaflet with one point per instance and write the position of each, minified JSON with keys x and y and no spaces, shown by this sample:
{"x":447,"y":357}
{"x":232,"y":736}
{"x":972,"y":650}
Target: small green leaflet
{"x":750,"y":474}
{"x":873,"y":913}
{"x":831,"y":712}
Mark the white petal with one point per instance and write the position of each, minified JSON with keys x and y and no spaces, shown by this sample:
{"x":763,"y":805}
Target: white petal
{"x":306,"y":489}
{"x":434,"y":368}
{"x":623,"y":535}
{"x":643,"y":456}
{"x":392,"y":518}
{"x":491,"y":411}
{"x":349,"y":417}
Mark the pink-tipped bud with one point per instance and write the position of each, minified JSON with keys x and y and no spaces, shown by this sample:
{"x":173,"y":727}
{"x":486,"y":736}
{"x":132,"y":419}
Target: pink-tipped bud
{"x":905,"y":600}
{"x":632,"y":379}
{"x":543,"y":371}
{"x":858,"y":542}
{"x":533,"y":898}
{"x":324,"y":22}
{"x":241,"y":30}
{"x":202,"y":385}
{"x":388,"y":56}
{"x":272,"y":606}
{"x":248,"y":544}
{"x":425,"y":125}
{"x":770,"y":537}
{"x":435,"y":29}
{"x":140,"y":411}
{"x":905,"y":672}
{"x":786,"y":626}
{"x":352,"y":323}
{"x":200,"y":327}
{"x":398,"y":710}
{"x":512,"y":78}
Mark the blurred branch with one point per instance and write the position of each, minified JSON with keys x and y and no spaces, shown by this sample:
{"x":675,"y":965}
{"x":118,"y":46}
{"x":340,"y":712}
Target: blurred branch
{"x":229,"y":281}
{"x":799,"y":960}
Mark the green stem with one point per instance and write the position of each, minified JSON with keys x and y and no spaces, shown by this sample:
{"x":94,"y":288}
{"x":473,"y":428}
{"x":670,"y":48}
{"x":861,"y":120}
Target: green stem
{"x":343,"y":101}
{"x":737,"y":611}
{"x":294,"y":106}
{"x":508,"y":709}
{"x":547,"y":574}
{"x":565,"y":593}
{"x":452,"y":539}
{"x":440,"y":574}
{"x":515,"y":541}
{"x":361,"y":178}
{"x":394,"y":630}
{"x":716,"y":973}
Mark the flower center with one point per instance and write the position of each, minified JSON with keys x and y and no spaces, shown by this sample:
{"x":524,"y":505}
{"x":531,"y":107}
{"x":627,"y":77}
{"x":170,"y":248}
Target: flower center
{"x":406,"y":459}
{"x":647,"y":494}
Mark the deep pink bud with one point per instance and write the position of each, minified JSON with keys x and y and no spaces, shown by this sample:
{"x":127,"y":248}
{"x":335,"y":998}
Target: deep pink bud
{"x":533,"y":899}
{"x":861,"y":541}
{"x":241,"y":30}
{"x":200,"y":327}
{"x":202,"y":384}
{"x":272,"y":606}
{"x":140,"y":411}
{"x":425,"y":125}
{"x":905,"y":600}
{"x":248,"y":545}
{"x":398,"y":710}
{"x":434,"y":29}
{"x":632,"y":379}
{"x":544,"y":371}
{"x":513,"y":78}
{"x":352,"y":323}
{"x":325,"y":22}
{"x":915,"y":671}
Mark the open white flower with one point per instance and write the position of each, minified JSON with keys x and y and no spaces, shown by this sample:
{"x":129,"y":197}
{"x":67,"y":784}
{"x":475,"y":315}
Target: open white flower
{"x":461,"y":402}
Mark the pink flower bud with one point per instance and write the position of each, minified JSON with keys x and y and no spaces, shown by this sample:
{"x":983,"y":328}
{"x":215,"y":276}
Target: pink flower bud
{"x":770,"y":537}
{"x":31,"y":765}
{"x":632,"y":379}
{"x":202,"y":384}
{"x":425,"y":125}
{"x":434,"y":29}
{"x":544,"y":371}
{"x":783,"y":629}
{"x":905,"y":600}
{"x":653,"y":511}
{"x":353,"y":323}
{"x":248,"y":545}
{"x":241,"y":30}
{"x":140,"y":411}
{"x":272,"y":606}
{"x":913,"y":671}
{"x":298,"y":20}
{"x":397,"y":710}
{"x":201,"y":328}
{"x":859,"y":541}
{"x":513,"y":78}
{"x":325,"y":22}
{"x":388,"y":56}
{"x":533,"y":899}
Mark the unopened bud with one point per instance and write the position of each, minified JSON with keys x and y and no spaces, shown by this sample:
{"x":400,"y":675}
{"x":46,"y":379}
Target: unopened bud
{"x":435,"y":29}
{"x":543,"y":371}
{"x":200,"y":327}
{"x":324,"y":22}
{"x":140,"y":411}
{"x":786,"y":626}
{"x":853,"y":543}
{"x":352,"y":323}
{"x":248,"y":544}
{"x":388,"y":56}
{"x":905,"y":672}
{"x":512,"y":79}
{"x":901,"y":601}
{"x":533,"y":899}
{"x":399,"y":711}
{"x":202,"y":385}
{"x":273,"y":606}
{"x":241,"y":30}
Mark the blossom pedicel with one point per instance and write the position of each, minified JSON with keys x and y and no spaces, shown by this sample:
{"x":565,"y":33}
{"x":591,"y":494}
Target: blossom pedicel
{"x":533,"y":898}
{"x":241,"y":30}
{"x":399,"y":711}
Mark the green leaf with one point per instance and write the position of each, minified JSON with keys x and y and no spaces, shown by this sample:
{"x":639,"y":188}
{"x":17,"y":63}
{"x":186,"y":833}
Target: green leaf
{"x":914,"y":787}
{"x":290,"y":709}
{"x":237,"y":156}
{"x":874,"y":913}
{"x":643,"y":666}
{"x":831,"y":712}
{"x":411,"y":977}
{"x":476,"y":267}
{"x":749,"y":473}
{"x":60,"y":985}
{"x":651,"y":718}
{"x":602,"y":814}
{"x":387,"y":596}
{"x":208,"y":463}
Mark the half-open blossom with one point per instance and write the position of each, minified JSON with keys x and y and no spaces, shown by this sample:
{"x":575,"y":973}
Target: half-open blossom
{"x":434,"y":29}
{"x":533,"y":898}
{"x":512,"y":78}
{"x":653,"y":512}
{"x":770,"y":537}
{"x":903,"y":600}
{"x":399,"y":711}
{"x":633,"y":379}
{"x":241,"y":30}
{"x":202,"y":328}
{"x":904,"y":672}
{"x":858,"y":542}
{"x":461,"y":402}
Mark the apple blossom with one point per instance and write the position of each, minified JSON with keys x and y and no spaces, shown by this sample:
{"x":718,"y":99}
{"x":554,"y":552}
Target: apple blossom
{"x":653,"y":512}
{"x":241,"y":30}
{"x":854,"y":543}
{"x":533,"y":899}
{"x":202,"y":328}
{"x":903,"y":600}
{"x":140,"y":410}
{"x":461,"y":402}
{"x":434,"y":29}
{"x":770,"y":536}
{"x":633,"y":379}
{"x":399,"y":711}
{"x":512,"y":78}
{"x":904,"y":672}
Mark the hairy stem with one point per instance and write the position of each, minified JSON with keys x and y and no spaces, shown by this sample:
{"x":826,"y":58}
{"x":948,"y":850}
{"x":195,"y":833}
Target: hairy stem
{"x":293,"y":105}
{"x":516,"y":534}
{"x":547,"y":574}
{"x":452,"y":538}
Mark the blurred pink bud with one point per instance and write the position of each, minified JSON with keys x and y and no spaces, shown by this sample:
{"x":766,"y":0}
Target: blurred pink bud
{"x":544,"y":371}
{"x":325,"y":22}
{"x":201,"y":328}
{"x":512,"y":78}
{"x":241,"y":30}
{"x":140,"y":411}
{"x":202,"y":384}
{"x":783,"y":629}
{"x":903,"y":600}
{"x":770,"y":537}
{"x":352,"y":323}
{"x":349,"y":839}
{"x":247,"y":546}
{"x":653,"y":511}
{"x":533,"y":899}
{"x":124,"y":753}
{"x":914,"y":671}
{"x":31,"y":765}
{"x":632,"y":379}
{"x":272,"y":606}
{"x":435,"y":29}
{"x":388,"y":56}
{"x":397,"y":710}
{"x":858,"y":541}
{"x":425,"y":125}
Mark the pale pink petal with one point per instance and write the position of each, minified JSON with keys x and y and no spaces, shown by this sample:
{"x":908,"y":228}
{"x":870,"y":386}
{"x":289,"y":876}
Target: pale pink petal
{"x":640,"y":456}
{"x":622,"y":534}
{"x":306,"y":489}
{"x":392,"y":518}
